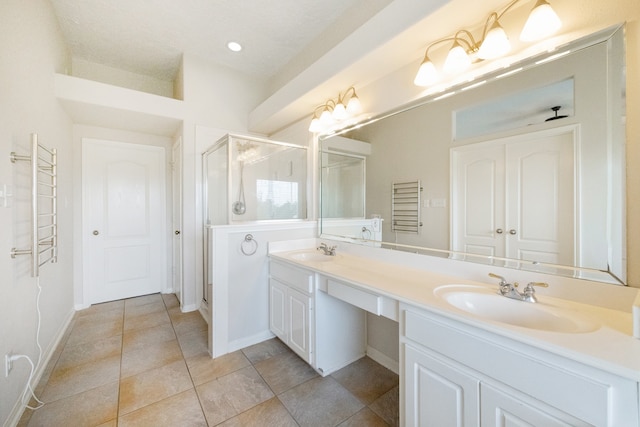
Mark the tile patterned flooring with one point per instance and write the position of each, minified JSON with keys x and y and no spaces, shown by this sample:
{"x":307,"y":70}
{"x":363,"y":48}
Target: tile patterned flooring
{"x":141,"y":362}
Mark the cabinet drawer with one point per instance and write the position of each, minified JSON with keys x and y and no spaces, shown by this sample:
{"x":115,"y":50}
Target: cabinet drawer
{"x":294,"y":277}
{"x":366,"y":301}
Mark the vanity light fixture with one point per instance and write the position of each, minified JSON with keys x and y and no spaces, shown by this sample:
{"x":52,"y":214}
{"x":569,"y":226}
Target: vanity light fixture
{"x":333,"y":112}
{"x":541,"y":23}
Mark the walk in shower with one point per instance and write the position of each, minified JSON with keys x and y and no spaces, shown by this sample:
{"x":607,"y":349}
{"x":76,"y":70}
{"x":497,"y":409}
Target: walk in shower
{"x":250,"y":184}
{"x":253,"y":179}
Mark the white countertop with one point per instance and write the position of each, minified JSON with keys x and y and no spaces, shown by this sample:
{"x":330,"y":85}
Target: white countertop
{"x":610,"y":347}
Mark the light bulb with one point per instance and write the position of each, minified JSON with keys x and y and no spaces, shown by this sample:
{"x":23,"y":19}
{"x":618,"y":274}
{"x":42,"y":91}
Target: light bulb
{"x":353,"y":106}
{"x":339,"y":112}
{"x":427,"y":74}
{"x":495,"y":44}
{"x":542,"y":22}
{"x":315,"y":126}
{"x":457,"y":60}
{"x":325,"y":118}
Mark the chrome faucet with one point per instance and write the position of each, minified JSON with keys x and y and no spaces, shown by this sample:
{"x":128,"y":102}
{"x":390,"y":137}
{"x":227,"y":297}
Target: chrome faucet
{"x":328,"y":250}
{"x":509,"y":290}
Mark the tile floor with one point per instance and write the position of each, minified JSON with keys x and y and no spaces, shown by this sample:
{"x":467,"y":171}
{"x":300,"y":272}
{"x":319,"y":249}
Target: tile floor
{"x":141,"y":362}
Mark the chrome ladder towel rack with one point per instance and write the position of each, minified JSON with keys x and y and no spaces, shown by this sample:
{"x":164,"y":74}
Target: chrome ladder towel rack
{"x":44,"y":215}
{"x":405,"y":206}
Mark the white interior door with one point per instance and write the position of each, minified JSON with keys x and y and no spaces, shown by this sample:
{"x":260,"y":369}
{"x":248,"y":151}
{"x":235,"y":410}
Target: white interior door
{"x":478,"y":201}
{"x":540,"y":194}
{"x":515,"y":198}
{"x":124,"y":220}
{"x":176,"y":179}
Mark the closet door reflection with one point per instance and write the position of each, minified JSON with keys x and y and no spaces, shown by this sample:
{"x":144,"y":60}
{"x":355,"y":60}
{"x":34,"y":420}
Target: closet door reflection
{"x":536,"y":177}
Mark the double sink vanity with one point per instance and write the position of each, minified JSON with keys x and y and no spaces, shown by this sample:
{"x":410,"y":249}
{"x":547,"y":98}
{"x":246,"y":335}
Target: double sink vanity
{"x":467,"y":355}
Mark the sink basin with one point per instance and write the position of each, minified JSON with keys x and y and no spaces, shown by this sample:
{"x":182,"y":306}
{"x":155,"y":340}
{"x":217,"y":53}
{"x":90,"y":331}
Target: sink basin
{"x":488,"y":304}
{"x":310,"y":256}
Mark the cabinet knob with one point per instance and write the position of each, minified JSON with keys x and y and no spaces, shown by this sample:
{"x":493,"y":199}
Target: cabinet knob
{"x":95,"y":232}
{"x":512,"y":231}
{"x":177,"y":232}
{"x":499,"y":231}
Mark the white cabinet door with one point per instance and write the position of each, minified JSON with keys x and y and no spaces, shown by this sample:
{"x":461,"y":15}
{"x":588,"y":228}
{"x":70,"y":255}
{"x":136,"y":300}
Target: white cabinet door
{"x":299,"y":320}
{"x":500,"y":409}
{"x":277,"y":309}
{"x":290,"y":312}
{"x":437,"y":394}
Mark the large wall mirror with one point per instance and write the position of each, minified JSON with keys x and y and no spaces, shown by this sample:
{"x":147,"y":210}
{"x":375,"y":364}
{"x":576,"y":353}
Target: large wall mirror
{"x":503,"y":176}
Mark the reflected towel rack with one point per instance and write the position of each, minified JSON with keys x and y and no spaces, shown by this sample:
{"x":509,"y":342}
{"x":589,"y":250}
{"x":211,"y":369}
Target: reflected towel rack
{"x":44,"y":215}
{"x":405,"y":206}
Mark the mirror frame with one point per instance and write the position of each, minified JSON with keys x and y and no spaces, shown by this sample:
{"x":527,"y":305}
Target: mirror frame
{"x":593,"y":274}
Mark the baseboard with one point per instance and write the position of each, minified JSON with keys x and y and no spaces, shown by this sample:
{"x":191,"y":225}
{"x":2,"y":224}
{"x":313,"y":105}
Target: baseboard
{"x":204,"y":312}
{"x":189,"y":308}
{"x":78,"y":307}
{"x":331,"y":370}
{"x":383,"y":359}
{"x":249,"y":341}
{"x":19,"y":407}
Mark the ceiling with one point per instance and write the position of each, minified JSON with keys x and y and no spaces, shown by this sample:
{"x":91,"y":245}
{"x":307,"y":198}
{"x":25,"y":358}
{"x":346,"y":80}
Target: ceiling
{"x":305,"y":50}
{"x":149,"y":36}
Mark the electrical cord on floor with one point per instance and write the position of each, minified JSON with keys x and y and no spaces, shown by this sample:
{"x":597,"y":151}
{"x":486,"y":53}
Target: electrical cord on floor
{"x":28,"y":390}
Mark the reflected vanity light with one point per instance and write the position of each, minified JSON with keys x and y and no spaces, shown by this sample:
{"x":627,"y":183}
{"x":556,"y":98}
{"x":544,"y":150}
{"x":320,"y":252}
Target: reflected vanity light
{"x":552,"y":57}
{"x":473,"y":86}
{"x":332,"y":112}
{"x":509,"y":73}
{"x":494,"y":43}
{"x":446,"y":95}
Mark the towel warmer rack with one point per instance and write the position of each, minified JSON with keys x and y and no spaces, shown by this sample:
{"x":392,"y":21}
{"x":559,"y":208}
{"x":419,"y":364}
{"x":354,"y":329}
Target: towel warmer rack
{"x":405,"y":207}
{"x":44,"y":215}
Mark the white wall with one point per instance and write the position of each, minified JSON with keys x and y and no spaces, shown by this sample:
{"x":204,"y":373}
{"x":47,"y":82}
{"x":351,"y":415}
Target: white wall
{"x":31,"y":50}
{"x":102,"y":73}
{"x":240,"y":315}
{"x":217,"y":102}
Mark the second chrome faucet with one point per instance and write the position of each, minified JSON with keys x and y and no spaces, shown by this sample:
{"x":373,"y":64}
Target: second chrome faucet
{"x":328,"y":250}
{"x":509,"y":290}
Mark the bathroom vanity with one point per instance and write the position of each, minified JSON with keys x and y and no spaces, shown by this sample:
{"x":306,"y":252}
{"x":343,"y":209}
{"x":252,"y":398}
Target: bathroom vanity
{"x":468,"y":356}
{"x":311,"y":323}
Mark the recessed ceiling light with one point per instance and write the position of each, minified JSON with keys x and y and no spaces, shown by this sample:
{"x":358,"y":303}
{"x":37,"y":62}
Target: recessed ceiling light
{"x":234,"y":46}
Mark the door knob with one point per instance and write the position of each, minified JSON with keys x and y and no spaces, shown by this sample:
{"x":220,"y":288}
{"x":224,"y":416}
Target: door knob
{"x":499,"y":231}
{"x":512,"y":231}
{"x":96,"y":232}
{"x":176,"y":232}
